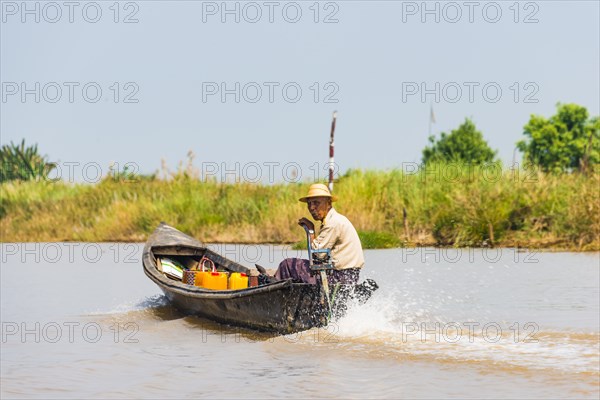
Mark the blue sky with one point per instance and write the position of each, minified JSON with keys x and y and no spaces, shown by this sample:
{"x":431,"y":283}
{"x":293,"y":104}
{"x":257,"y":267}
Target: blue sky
{"x":161,"y":76}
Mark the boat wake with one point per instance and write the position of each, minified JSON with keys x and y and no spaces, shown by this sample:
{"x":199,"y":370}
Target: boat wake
{"x":155,"y":301}
{"x":140,"y":312}
{"x":385,"y":327}
{"x":147,"y":303}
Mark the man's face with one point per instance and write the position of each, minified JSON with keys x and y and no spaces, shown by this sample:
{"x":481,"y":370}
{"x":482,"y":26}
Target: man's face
{"x":318,"y":207}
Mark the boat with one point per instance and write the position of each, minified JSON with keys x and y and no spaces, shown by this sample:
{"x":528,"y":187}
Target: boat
{"x":282,"y":306}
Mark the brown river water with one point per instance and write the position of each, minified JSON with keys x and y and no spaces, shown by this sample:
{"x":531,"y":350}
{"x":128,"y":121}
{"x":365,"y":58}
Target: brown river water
{"x":82,"y":320}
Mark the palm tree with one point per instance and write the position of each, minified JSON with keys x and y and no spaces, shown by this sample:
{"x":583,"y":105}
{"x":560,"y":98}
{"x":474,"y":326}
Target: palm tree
{"x":18,"y":162}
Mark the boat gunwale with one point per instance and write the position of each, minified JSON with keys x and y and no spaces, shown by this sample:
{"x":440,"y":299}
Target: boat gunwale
{"x":149,"y":265}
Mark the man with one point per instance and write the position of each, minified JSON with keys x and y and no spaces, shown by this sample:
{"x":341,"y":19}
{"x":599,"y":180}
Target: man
{"x":336,"y":233}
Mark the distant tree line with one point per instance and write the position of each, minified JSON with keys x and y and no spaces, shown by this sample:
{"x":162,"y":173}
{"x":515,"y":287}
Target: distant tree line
{"x":567,"y":141}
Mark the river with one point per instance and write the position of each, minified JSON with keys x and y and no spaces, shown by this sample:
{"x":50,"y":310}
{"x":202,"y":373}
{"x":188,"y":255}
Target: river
{"x":82,"y":320}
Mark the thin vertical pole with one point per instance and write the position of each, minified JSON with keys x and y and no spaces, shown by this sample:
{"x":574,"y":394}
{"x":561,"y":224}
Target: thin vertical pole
{"x":331,"y":148}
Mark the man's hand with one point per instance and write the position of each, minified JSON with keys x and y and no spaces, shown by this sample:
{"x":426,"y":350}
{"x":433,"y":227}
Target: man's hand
{"x":306,"y":222}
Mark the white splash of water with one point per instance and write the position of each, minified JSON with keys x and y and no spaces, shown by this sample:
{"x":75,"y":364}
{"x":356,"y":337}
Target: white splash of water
{"x":394,"y":323}
{"x":138,"y":305}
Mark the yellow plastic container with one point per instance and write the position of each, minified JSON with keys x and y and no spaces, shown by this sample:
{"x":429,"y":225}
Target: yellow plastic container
{"x":200,"y":276}
{"x":215,"y":281}
{"x":238,"y":281}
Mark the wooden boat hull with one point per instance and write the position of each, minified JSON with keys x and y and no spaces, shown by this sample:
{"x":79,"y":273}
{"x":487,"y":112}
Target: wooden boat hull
{"x":282,"y":306}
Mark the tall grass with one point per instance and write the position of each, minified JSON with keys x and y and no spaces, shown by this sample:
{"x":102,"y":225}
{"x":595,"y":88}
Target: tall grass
{"x":450,"y":205}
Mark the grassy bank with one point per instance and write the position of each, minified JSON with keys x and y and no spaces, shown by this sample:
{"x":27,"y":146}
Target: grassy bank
{"x":448,"y":205}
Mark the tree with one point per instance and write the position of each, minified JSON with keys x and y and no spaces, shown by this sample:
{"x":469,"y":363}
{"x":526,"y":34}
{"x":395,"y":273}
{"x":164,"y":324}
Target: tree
{"x":18,"y":162}
{"x":463,"y":144}
{"x":567,"y":141}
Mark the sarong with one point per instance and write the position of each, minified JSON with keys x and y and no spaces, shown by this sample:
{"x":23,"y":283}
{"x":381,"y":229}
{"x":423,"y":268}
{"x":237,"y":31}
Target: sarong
{"x":299,"y":270}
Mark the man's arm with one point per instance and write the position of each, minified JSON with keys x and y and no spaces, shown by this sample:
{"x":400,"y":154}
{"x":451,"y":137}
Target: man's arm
{"x":326,"y":238}
{"x":311,"y":227}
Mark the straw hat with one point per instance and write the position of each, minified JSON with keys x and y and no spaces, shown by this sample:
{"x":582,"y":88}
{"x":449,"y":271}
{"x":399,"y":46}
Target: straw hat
{"x":318,"y":190}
